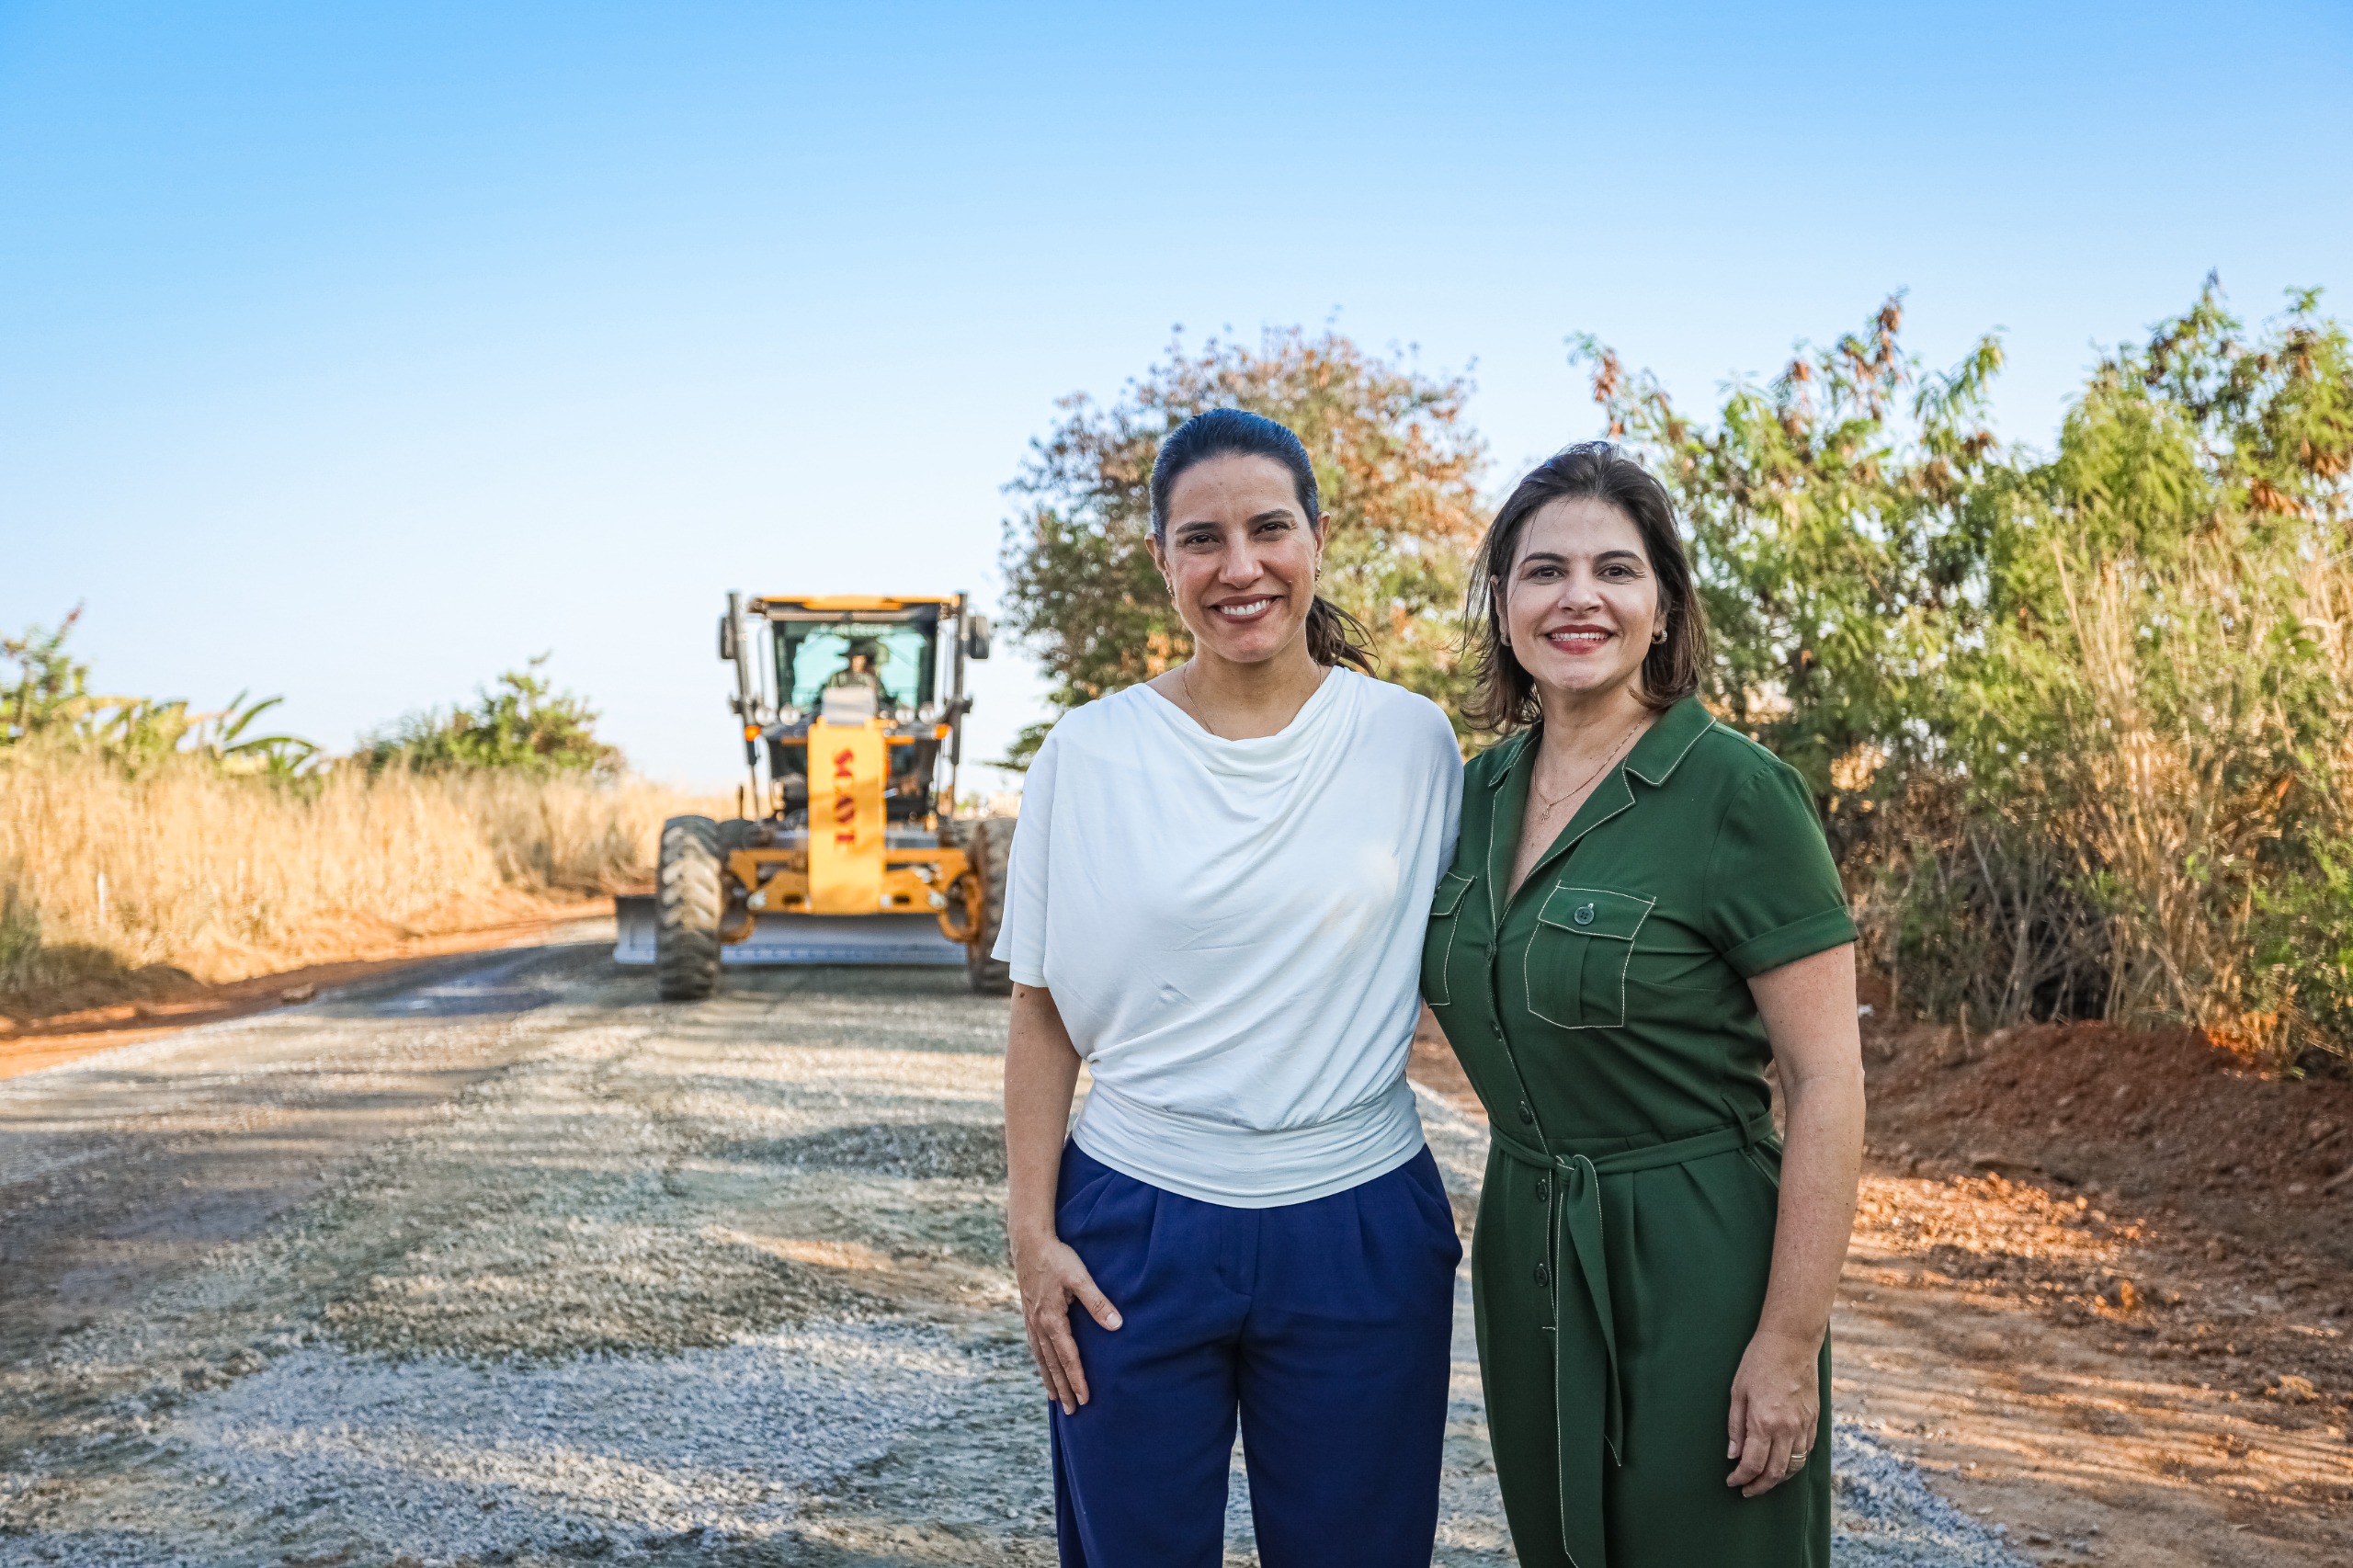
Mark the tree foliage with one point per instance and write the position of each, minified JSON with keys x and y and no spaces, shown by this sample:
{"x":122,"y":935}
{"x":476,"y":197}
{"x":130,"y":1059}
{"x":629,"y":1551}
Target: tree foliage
{"x":2081,"y":718}
{"x":1396,"y":462}
{"x":522,"y":723}
{"x":2171,"y":668}
{"x":1838,"y":520}
{"x":47,"y":702}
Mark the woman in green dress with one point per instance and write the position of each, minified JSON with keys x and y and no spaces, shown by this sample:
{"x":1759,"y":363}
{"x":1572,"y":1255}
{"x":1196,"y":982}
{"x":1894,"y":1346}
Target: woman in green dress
{"x":1642,"y":917}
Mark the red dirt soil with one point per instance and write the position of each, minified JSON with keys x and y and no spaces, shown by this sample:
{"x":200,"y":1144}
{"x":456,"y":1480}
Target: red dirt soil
{"x":2101,"y":1287}
{"x":2163,"y":1117}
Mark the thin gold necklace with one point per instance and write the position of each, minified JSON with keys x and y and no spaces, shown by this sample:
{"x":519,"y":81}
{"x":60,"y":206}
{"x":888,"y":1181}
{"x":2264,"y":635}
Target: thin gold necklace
{"x":1553,"y":803}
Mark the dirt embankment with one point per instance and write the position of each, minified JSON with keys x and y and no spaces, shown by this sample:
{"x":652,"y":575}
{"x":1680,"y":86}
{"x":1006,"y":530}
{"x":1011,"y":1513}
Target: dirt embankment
{"x":2101,"y":1289}
{"x":2201,"y":1212}
{"x":2131,"y":1262}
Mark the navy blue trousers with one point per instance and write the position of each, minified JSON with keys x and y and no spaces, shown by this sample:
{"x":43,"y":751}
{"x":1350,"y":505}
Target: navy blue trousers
{"x":1326,"y":1327}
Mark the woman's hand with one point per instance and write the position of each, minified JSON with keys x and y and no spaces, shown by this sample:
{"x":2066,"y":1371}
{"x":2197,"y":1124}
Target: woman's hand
{"x":1051,"y":1278}
{"x":1040,"y":1071}
{"x":1776,"y":1408}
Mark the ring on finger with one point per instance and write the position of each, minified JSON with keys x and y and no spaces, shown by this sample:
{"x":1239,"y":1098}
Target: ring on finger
{"x":1797,"y":1463}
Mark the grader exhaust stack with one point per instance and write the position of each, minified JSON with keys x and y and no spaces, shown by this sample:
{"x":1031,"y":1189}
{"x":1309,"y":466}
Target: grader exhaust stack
{"x":848,"y":851}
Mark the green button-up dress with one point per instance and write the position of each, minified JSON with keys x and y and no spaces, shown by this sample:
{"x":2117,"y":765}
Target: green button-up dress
{"x":1625,"y":1231}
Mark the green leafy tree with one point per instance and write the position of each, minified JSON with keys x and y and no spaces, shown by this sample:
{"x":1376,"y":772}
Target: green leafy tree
{"x":522,"y":723}
{"x":2169,"y":673}
{"x":279,"y":755}
{"x":1395,"y":462}
{"x":1839,"y":521}
{"x":48,"y":702}
{"x":2084,"y":721}
{"x":50,"y":689}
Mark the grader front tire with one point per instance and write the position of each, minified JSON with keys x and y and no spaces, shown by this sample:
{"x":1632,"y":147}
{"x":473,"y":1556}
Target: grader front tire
{"x":687,"y":904}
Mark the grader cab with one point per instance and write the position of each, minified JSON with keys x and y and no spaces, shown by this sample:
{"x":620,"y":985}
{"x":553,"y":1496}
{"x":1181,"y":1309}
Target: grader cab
{"x":847,"y":847}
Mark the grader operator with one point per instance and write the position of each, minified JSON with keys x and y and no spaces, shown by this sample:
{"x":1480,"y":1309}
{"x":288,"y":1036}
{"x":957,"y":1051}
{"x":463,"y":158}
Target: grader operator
{"x":847,"y":848}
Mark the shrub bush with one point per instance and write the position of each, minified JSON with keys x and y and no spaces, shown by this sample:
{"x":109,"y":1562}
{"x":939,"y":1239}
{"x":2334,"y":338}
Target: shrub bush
{"x":2083,"y":721}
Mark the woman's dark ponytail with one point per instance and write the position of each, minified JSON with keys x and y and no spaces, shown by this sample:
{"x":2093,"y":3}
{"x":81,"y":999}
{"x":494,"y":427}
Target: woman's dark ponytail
{"x":1334,"y":636}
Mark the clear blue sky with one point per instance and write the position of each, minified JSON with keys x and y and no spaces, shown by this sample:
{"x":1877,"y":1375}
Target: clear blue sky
{"x":357,"y":351}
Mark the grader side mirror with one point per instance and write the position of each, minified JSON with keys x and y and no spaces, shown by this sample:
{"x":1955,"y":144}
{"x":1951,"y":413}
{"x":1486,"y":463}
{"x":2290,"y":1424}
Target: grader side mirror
{"x":727,"y":639}
{"x":976,"y":637}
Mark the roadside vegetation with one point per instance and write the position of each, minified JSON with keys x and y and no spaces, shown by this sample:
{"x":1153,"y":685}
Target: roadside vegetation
{"x":522,"y":724}
{"x":144,"y":846}
{"x":2080,"y":718}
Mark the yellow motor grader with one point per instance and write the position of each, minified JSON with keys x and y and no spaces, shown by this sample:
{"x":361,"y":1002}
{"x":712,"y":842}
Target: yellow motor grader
{"x":846,"y":849}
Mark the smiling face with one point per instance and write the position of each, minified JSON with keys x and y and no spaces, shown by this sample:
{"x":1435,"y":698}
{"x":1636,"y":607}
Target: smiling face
{"x":1240,"y":557}
{"x":1581,"y":605}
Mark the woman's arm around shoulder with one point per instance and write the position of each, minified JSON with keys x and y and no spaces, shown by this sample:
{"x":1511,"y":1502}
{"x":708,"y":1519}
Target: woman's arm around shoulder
{"x":1415,"y":736}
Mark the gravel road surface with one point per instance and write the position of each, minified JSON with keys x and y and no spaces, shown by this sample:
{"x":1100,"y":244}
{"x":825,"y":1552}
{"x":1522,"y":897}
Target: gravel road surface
{"x":506,"y":1262}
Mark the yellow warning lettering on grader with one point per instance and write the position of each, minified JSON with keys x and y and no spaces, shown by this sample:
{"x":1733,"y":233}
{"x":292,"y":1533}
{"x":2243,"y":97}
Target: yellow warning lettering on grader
{"x":845,"y":819}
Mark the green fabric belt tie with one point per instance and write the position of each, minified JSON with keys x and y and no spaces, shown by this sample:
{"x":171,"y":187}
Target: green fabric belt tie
{"x":1589,"y":1413}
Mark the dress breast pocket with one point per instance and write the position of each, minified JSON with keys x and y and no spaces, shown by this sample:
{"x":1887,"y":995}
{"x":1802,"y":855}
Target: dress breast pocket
{"x":1437,"y":948}
{"x":1577,"y":959}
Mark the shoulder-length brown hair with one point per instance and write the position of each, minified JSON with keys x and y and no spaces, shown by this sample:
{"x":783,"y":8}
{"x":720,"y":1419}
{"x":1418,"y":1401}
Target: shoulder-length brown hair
{"x":1504,"y":696}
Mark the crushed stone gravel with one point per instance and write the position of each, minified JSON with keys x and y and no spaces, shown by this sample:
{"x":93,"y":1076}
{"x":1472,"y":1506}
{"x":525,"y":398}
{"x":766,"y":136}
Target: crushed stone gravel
{"x":720,"y":1284}
{"x":480,"y":1459}
{"x":1888,"y":1518}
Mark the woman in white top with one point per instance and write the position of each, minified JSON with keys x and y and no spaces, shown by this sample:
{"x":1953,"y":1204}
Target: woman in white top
{"x":1218,"y":895}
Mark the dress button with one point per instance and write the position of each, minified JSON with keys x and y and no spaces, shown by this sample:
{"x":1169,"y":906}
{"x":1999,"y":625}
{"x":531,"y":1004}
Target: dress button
{"x":1527,"y":1112}
{"x":1544,"y":1275}
{"x":1543,"y":1189}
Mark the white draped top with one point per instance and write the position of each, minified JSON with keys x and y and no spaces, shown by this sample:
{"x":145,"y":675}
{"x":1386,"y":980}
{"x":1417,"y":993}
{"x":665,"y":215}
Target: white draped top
{"x":1233,"y":932}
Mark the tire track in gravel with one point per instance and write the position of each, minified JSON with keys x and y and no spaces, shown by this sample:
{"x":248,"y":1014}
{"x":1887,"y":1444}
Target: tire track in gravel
{"x":516,"y":1265}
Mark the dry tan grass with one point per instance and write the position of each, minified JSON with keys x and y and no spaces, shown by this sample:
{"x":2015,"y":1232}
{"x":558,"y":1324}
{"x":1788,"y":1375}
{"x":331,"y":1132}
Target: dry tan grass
{"x":223,"y":877}
{"x":2185,"y":767}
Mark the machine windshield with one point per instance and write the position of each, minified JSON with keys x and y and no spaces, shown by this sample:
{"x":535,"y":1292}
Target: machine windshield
{"x":892,"y":660}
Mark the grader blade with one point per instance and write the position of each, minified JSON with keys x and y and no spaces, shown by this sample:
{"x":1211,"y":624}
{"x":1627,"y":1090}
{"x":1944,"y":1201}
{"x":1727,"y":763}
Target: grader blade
{"x":802,"y":939}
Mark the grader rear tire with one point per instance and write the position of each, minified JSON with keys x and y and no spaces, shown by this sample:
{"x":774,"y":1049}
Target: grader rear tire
{"x":990,"y":847}
{"x":687,"y":901}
